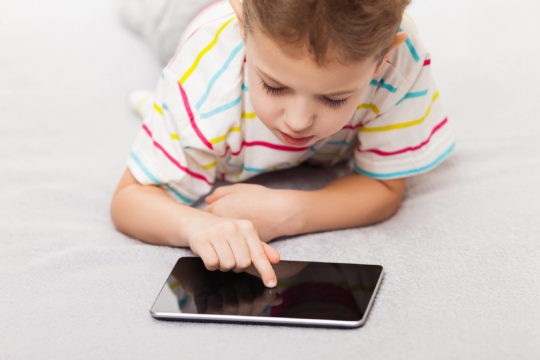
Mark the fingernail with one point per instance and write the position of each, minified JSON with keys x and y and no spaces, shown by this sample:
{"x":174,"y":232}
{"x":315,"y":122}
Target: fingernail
{"x":271,"y":283}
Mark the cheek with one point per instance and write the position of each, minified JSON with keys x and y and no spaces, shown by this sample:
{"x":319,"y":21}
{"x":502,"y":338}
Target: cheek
{"x":268,"y":109}
{"x":332,"y":120}
{"x":341,"y":116}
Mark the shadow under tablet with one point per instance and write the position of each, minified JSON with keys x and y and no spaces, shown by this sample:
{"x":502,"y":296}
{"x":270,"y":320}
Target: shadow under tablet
{"x":307,"y":293}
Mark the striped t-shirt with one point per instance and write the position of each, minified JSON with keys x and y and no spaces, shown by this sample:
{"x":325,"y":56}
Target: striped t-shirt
{"x":203,"y":127}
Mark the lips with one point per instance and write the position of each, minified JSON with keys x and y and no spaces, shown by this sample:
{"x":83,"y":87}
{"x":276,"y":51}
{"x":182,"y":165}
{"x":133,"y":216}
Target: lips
{"x":294,"y":140}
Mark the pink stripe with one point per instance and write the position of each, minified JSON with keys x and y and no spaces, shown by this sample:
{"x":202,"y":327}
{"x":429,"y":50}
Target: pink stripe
{"x":174,"y":161}
{"x":192,"y":119}
{"x":274,"y":146}
{"x":412,"y":148}
{"x":427,"y":62}
{"x":351,"y":127}
{"x":264,"y":144}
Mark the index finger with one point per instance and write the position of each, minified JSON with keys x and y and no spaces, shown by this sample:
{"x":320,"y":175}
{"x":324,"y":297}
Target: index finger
{"x":261,"y":261}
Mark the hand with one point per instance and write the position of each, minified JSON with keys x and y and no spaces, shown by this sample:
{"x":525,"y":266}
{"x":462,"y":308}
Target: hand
{"x":216,"y":292}
{"x":270,"y":210}
{"x":231,"y":244}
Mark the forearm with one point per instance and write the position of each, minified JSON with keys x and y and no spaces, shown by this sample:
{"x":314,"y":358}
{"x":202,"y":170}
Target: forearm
{"x":149,"y":214}
{"x":350,"y":201}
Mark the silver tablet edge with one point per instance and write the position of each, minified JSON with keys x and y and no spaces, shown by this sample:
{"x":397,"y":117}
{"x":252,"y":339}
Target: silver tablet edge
{"x":257,"y":319}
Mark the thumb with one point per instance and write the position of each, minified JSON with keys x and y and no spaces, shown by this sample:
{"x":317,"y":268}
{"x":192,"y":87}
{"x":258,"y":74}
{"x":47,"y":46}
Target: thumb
{"x":271,"y":253}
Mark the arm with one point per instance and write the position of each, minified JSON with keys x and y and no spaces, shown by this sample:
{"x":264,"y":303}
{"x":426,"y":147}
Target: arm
{"x":351,"y":201}
{"x":147,"y":212}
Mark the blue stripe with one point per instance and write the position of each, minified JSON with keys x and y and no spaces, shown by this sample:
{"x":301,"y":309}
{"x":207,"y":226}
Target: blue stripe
{"x":222,"y":108}
{"x":252,"y":169}
{"x":143,"y":168}
{"x":398,"y":174}
{"x":382,"y":84}
{"x":180,"y":196}
{"x":413,"y":95}
{"x":245,"y":87}
{"x":217,"y":75}
{"x":156,"y":181}
{"x":412,"y":50}
{"x":246,"y":168}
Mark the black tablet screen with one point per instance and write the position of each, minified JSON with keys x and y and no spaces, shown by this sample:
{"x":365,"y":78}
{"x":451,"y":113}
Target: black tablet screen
{"x":305,"y":290}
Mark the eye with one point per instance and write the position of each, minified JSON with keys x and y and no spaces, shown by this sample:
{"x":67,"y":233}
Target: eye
{"x":274,"y":91}
{"x":332,"y":102}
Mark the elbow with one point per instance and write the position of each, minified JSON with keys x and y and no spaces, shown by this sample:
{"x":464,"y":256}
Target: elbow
{"x":396,"y":193}
{"x":393,"y":206}
{"x":119,"y":206}
{"x":114,"y":211}
{"x":120,"y":210}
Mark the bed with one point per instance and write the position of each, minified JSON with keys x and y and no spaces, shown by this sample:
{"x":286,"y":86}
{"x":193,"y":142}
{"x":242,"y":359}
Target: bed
{"x":462,"y":256}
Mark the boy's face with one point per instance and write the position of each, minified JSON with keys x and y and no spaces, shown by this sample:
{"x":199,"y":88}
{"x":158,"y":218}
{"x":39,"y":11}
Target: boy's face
{"x":296,"y":99}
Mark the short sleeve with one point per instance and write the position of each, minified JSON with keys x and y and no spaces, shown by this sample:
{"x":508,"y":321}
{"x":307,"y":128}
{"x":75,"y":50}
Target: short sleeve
{"x":164,"y":153}
{"x":198,"y":100}
{"x":410,"y":132}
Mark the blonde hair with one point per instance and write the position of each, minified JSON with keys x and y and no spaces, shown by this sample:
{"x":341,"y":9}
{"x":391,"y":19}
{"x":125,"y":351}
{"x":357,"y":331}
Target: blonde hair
{"x":330,"y":30}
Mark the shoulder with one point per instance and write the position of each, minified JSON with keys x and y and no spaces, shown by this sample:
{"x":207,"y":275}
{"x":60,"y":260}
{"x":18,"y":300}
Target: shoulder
{"x":411,"y":56}
{"x":199,"y":53}
{"x":207,"y":75}
{"x":403,"y":70}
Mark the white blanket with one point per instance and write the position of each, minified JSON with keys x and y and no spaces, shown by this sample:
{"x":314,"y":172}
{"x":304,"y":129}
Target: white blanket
{"x":462,"y":257}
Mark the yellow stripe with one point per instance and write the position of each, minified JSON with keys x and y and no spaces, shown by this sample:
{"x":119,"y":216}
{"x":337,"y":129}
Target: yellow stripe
{"x":209,"y":166}
{"x":218,"y":139}
{"x":204,"y":51}
{"x":249,"y":115}
{"x":175,"y":136}
{"x":370,"y":106}
{"x":222,"y":137}
{"x":158,"y":109}
{"x":403,"y":124}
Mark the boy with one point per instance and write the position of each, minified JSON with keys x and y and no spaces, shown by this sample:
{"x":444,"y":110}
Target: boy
{"x":272,"y":85}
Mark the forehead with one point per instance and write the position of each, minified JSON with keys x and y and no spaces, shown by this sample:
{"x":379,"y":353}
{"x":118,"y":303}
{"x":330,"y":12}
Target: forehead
{"x":294,"y":66}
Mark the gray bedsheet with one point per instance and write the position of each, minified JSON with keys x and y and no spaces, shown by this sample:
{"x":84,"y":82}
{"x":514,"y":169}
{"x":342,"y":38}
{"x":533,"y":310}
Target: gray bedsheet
{"x":462,"y":256}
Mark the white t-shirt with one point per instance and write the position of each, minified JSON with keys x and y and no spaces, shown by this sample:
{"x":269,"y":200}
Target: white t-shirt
{"x":203,"y":126}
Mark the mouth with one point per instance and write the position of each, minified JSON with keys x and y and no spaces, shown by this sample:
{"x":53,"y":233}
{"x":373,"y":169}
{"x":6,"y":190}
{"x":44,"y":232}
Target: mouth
{"x":294,"y":140}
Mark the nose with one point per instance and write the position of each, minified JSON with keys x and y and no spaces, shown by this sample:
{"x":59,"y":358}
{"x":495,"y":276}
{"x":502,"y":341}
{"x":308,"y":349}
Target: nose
{"x":299,"y":115}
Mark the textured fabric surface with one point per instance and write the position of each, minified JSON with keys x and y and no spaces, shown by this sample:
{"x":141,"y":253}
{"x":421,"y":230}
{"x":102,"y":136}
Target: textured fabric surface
{"x":461,"y":256}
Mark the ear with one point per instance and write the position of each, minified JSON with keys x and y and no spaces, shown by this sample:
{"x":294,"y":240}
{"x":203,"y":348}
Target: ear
{"x":239,"y":11}
{"x":398,"y":40}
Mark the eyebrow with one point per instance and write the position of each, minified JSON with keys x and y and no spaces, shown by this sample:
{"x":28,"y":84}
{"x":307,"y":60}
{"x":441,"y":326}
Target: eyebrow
{"x":337,"y":93}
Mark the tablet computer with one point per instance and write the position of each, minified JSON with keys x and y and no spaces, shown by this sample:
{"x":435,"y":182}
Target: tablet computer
{"x":308,"y":293}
